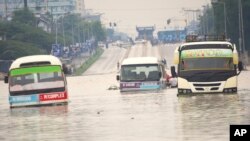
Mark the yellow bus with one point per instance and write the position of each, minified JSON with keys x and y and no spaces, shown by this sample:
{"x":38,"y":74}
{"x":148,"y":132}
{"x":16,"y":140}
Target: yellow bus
{"x":206,"y":67}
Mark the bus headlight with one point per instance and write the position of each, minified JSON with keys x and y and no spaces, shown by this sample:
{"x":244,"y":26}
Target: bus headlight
{"x":230,"y":90}
{"x":184,"y":91}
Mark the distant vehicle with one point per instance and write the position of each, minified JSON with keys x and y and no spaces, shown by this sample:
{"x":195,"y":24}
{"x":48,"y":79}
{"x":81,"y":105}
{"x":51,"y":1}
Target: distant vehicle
{"x":117,"y":43}
{"x":206,"y":66}
{"x":142,"y":73}
{"x":140,"y":41}
{"x":67,"y":66}
{"x":4,"y":68}
{"x":36,"y":80}
{"x":101,"y":44}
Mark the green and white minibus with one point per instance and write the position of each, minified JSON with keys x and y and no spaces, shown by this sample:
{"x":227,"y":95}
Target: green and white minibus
{"x":36,"y":80}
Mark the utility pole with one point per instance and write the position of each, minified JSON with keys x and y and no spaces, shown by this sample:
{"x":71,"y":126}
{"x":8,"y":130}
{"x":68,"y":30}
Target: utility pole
{"x":56,"y":30}
{"x":72,"y":32}
{"x":5,"y":8}
{"x":194,"y":13}
{"x":240,"y":32}
{"x":225,"y":19}
{"x":192,"y":23}
{"x":243,"y":53}
{"x":25,"y":3}
{"x":63,"y":32}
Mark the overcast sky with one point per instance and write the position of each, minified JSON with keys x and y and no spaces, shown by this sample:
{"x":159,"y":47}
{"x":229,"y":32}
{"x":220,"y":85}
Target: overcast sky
{"x":131,"y":13}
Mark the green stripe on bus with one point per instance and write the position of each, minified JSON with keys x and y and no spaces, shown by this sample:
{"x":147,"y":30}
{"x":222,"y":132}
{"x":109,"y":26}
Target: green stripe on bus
{"x":40,"y":69}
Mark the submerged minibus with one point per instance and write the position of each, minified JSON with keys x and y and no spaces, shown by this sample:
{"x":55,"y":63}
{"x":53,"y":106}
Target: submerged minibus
{"x":142,"y":73}
{"x":36,"y":80}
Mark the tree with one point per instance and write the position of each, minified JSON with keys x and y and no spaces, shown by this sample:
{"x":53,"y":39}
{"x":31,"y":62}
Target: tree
{"x":24,"y":16}
{"x":78,"y":29}
{"x":10,"y":50}
{"x":232,"y":20}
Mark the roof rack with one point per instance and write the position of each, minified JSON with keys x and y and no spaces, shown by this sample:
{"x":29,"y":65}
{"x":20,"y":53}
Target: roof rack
{"x":199,"y":38}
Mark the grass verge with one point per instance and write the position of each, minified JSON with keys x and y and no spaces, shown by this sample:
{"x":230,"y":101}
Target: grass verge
{"x":91,"y":60}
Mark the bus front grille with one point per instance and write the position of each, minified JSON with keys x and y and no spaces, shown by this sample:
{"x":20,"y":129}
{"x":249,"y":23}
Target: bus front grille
{"x":207,"y":85}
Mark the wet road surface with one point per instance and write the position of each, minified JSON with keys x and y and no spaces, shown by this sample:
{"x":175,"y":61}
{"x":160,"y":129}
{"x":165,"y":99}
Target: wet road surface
{"x":98,"y":114}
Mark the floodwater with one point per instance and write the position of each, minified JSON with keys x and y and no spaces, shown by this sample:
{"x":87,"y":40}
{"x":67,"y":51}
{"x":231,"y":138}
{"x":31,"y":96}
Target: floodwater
{"x":95,"y":113}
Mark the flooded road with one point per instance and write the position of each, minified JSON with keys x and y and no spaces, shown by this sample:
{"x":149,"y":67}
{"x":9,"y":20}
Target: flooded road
{"x":95,"y":113}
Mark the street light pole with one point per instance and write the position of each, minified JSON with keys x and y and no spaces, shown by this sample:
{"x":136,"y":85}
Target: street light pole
{"x":63,"y":32}
{"x":240,"y":32}
{"x":5,"y":9}
{"x":225,"y":19}
{"x":205,"y":17}
{"x":243,"y":53}
{"x":56,"y":30}
{"x":25,"y":3}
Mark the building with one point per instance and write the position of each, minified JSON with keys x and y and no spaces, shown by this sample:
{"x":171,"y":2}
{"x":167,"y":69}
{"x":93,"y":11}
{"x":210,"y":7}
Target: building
{"x":91,"y":16}
{"x":54,"y":7}
{"x":41,"y":8}
{"x":80,"y":7}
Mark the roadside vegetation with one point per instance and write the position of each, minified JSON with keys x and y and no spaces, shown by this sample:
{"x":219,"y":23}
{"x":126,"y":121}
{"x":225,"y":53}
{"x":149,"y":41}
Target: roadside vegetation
{"x":212,"y":21}
{"x":21,"y":36}
{"x":91,"y":60}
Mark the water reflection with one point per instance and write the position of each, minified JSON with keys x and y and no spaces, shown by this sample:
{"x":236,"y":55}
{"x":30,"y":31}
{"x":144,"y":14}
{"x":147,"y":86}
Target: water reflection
{"x":208,"y":117}
{"x":97,"y":114}
{"x":143,"y":92}
{"x":58,"y":110}
{"x":37,"y":123}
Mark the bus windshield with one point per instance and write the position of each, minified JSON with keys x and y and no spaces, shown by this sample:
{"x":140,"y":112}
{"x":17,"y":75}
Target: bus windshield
{"x":36,"y":78}
{"x":188,"y":64}
{"x":140,"y":72}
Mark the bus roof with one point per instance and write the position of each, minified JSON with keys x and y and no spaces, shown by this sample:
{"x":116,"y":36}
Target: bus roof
{"x":52,"y":60}
{"x":207,"y":43}
{"x":140,"y":60}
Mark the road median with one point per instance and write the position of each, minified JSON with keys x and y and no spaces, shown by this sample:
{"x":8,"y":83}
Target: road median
{"x":88,"y":62}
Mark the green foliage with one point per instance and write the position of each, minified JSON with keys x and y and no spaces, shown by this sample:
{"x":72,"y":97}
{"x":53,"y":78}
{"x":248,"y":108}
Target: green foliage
{"x":10,"y":50}
{"x":25,"y":33}
{"x":232,"y":20}
{"x":24,"y":16}
{"x":80,"y":30}
{"x":24,"y":37}
{"x":206,"y":22}
{"x":91,"y":60}
{"x":99,"y":31}
{"x":36,"y":36}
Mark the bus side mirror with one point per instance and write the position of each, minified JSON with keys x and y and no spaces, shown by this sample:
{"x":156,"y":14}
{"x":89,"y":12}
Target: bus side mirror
{"x":65,"y":69}
{"x":240,"y":66}
{"x":160,"y":74}
{"x":173,"y":72}
{"x":117,"y":77}
{"x":6,"y":79}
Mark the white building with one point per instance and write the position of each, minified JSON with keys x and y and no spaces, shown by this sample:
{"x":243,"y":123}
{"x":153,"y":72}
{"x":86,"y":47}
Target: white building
{"x":80,"y":7}
{"x":54,"y":7}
